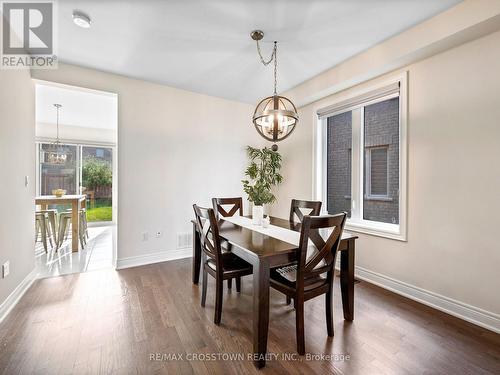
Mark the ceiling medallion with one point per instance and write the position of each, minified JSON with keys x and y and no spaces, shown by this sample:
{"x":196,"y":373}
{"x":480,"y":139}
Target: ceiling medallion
{"x":275,"y":117}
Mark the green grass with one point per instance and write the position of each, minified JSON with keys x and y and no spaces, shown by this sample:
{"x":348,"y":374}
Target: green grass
{"x":99,"y":214}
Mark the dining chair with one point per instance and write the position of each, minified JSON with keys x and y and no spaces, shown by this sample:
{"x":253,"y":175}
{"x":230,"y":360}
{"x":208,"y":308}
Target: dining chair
{"x":236,"y":206}
{"x":221,"y":208}
{"x":222,"y":266}
{"x":296,"y":211}
{"x":50,"y":223}
{"x":64,"y":223}
{"x":42,"y":228}
{"x":313,"y":274}
{"x":297,"y":206}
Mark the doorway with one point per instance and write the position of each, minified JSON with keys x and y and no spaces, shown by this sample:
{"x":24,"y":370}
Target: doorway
{"x":84,"y":131}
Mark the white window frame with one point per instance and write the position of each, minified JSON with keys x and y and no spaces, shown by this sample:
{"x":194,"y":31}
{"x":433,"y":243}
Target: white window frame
{"x":356,"y":223}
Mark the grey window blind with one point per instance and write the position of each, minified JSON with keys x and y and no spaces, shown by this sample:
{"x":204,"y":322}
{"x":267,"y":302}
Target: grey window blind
{"x":348,"y":104}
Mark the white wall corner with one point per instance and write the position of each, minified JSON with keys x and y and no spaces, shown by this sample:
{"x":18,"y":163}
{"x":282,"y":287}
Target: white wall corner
{"x":469,"y":313}
{"x":16,"y":294}
{"x":161,"y":256}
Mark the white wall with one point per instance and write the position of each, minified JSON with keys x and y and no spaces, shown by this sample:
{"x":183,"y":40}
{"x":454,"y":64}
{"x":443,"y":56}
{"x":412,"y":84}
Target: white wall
{"x":175,"y":148}
{"x":453,"y":178}
{"x":17,"y":160}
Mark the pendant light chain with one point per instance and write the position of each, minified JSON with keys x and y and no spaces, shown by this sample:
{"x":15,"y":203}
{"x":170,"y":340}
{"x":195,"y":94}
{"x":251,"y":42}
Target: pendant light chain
{"x":57,"y":123}
{"x":275,"y":66}
{"x":273,"y":57}
{"x":58,"y":106}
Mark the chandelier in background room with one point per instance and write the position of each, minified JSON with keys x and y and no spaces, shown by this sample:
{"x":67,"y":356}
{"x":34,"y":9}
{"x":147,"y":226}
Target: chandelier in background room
{"x":275,"y":117}
{"x":55,"y":153}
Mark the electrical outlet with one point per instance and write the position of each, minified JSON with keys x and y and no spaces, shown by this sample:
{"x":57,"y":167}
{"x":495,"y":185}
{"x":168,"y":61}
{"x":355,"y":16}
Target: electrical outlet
{"x":6,"y":269}
{"x":145,"y":236}
{"x":158,"y":234}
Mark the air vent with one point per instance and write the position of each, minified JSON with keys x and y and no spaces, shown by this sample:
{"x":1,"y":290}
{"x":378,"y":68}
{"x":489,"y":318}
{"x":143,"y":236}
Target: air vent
{"x":184,"y":240}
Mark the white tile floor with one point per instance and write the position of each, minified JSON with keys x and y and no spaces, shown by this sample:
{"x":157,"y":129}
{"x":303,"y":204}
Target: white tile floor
{"x":97,"y":254}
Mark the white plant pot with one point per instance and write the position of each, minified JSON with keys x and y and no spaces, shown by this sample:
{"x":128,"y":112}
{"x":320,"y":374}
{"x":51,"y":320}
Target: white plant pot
{"x":257,"y":214}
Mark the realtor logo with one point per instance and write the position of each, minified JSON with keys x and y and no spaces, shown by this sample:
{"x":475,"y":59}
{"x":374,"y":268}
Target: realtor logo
{"x":28,"y":35}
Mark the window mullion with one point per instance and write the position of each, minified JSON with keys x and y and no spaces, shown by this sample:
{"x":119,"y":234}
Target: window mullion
{"x":324,"y":166}
{"x":361,"y":130}
{"x":357,"y":166}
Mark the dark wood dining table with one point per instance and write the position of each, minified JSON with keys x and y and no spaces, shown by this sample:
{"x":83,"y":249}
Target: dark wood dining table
{"x":265,"y":252}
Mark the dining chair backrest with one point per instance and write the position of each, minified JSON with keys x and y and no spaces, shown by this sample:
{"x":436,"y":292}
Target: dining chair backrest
{"x":297,"y":206}
{"x":220,"y":206}
{"x":209,"y":233}
{"x":317,"y":256}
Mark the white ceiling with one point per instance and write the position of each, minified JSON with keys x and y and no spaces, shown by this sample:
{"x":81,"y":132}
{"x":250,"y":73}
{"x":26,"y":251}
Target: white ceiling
{"x":89,"y":109}
{"x":204,"y":45}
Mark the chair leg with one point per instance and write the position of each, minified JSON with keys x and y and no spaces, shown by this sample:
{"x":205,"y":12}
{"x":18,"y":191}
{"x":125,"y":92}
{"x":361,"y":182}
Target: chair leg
{"x":82,"y":228}
{"x":288,"y":300}
{"x":238,"y":284}
{"x":218,"y":300}
{"x":81,"y":234}
{"x":85,"y":224}
{"x":66,"y":228}
{"x":329,"y":312}
{"x":37,"y":229}
{"x":229,"y":283}
{"x":81,"y":238}
{"x":63,"y":225}
{"x":49,"y":233}
{"x":204,"y":288}
{"x":44,"y":234}
{"x":52,"y":222}
{"x":299,"y":325}
{"x":60,"y":234}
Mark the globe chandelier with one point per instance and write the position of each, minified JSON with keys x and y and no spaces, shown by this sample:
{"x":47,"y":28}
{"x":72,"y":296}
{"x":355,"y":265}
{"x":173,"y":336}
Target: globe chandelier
{"x":275,"y":117}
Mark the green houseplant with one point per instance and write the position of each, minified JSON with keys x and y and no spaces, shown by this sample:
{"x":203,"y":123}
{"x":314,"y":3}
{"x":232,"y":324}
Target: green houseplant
{"x":263,"y":174}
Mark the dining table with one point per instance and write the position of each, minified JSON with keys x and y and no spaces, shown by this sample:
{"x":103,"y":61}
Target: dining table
{"x":263,"y":252}
{"x":77,"y":202}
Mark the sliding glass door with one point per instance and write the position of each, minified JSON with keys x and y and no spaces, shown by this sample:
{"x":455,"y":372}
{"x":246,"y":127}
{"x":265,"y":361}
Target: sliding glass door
{"x":88,"y":170}
{"x":59,"y":176}
{"x":96,"y":181}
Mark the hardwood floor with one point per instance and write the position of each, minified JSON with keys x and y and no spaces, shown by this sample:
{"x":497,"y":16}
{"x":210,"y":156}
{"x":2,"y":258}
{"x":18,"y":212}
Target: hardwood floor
{"x":113,"y":322}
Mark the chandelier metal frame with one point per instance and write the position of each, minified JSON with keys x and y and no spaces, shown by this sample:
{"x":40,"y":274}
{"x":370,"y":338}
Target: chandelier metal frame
{"x":275,"y":117}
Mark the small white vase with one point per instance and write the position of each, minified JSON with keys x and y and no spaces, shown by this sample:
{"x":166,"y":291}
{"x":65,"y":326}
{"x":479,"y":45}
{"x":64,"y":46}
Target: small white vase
{"x":257,"y":215}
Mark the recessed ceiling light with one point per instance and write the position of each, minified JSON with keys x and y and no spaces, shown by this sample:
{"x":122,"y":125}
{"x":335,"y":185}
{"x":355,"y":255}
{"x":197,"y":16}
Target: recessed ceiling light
{"x":81,"y":19}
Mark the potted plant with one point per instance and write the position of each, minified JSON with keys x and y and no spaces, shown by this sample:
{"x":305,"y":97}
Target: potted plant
{"x":263,"y":174}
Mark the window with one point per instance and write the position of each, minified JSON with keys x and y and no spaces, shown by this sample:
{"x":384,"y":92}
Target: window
{"x":88,"y":170}
{"x":53,"y":176}
{"x":360,"y":151}
{"x":339,"y":145}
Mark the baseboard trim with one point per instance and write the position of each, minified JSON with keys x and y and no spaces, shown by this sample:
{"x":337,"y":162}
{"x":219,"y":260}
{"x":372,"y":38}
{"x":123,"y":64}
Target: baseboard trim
{"x":472,"y":314}
{"x":16,"y":294}
{"x":161,"y":256}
